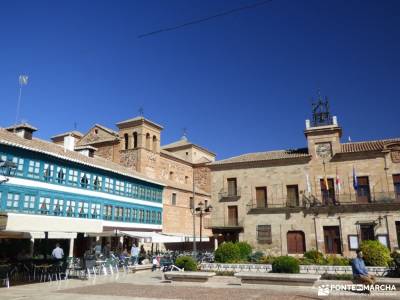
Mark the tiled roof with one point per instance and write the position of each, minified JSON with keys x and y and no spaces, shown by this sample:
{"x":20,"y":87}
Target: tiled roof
{"x":141,"y":119}
{"x":22,"y":125}
{"x":366,"y":146}
{"x":183,"y":142}
{"x":265,"y":156}
{"x":73,"y":132}
{"x":41,"y":146}
{"x":113,"y":132}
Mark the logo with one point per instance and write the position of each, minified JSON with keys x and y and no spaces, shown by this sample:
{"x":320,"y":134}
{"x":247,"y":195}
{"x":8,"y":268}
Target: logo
{"x":323,"y":290}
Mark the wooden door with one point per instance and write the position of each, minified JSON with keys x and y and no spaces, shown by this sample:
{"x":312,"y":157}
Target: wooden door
{"x":232,"y":216}
{"x":328,"y":194}
{"x":363,"y":194}
{"x":261,"y":197}
{"x":367,"y":232}
{"x":296,"y":242}
{"x":332,"y":240}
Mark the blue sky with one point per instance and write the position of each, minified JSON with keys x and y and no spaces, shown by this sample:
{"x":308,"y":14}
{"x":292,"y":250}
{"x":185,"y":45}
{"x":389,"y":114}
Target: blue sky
{"x":240,"y":83}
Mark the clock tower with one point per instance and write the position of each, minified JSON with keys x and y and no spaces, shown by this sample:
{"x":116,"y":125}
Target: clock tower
{"x":322,"y":131}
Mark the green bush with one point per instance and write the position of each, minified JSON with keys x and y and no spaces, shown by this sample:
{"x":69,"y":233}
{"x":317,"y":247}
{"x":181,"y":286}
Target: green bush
{"x":375,"y":254}
{"x":256,"y":257}
{"x":306,"y":261}
{"x":244,"y":249}
{"x":267,"y":259}
{"x":285,"y":264}
{"x":334,"y":260}
{"x":315,"y":256}
{"x":187,"y":263}
{"x":227,"y":253}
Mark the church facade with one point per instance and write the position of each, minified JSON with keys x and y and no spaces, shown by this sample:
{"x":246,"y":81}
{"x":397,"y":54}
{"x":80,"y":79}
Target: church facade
{"x":328,"y":196}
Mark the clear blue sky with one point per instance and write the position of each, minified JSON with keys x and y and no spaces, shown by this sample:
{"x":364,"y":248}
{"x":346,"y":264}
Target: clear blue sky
{"x":240,"y":83}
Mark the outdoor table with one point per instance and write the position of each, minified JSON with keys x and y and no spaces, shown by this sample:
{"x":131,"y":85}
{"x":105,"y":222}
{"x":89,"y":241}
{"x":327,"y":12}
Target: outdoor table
{"x":44,"y":268}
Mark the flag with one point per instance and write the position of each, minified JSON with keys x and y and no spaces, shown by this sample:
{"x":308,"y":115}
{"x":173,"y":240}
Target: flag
{"x":23,"y":80}
{"x":355,"y":182}
{"x":338,"y":183}
{"x":326,"y":182}
{"x":308,"y":184}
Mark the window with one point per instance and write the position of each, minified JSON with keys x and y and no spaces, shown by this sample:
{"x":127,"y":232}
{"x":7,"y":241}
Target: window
{"x":34,"y":169}
{"x":70,"y":208}
{"x":44,"y":205}
{"x":261,"y":197}
{"x":48,"y":172}
{"x":332,"y":240}
{"x":154,"y":143}
{"x":119,"y":213}
{"x":159,"y":218}
{"x":134,"y":214}
{"x":147,"y":216}
{"x":73,"y":177}
{"x":128,"y":214}
{"x":135,"y":140}
{"x":95,"y":210}
{"x":191,"y":203}
{"x":396,"y":182}
{"x":109,"y":185}
{"x":153,"y":217}
{"x":363,"y":194}
{"x":186,"y":179}
{"x":13,"y":200}
{"x":173,"y":199}
{"x":264,"y":235}
{"x":58,"y":207}
{"x":97,"y":183}
{"x":148,"y":141}
{"x":141,"y":215}
{"x":233,"y":215}
{"x":232,"y":187}
{"x":119,"y":187}
{"x":134,"y":191}
{"x":141,"y":192}
{"x":367,"y":232}
{"x":107,"y":212}
{"x":29,"y":203}
{"x":128,"y":189}
{"x":292,"y":198}
{"x":126,"y":141}
{"x":84,"y":180}
{"x":83,"y":209}
{"x":20,"y":166}
{"x":61,"y":175}
{"x":328,"y":192}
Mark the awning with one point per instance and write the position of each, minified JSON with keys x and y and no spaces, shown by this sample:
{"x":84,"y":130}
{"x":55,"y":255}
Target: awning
{"x":51,"y":224}
{"x":154,"y":237}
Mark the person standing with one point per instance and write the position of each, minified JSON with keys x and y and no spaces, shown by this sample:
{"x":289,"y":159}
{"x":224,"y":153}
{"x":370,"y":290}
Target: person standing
{"x":134,"y":254}
{"x":360,"y":272}
{"x":106,"y":250}
{"x":155,"y":264}
{"x":58,"y":253}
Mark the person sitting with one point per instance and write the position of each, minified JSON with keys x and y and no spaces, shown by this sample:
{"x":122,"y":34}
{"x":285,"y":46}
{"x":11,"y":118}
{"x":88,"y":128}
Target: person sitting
{"x":360,"y":272}
{"x":57,"y":253}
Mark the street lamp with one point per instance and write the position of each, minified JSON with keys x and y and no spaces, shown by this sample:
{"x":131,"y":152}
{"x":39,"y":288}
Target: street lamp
{"x":7,"y":168}
{"x":201,"y":210}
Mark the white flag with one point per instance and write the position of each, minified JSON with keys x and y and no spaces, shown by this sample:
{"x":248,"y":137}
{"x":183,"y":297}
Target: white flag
{"x":23,"y":80}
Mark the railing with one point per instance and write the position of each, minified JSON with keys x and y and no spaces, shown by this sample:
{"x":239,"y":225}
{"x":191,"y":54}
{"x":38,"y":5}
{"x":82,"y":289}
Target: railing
{"x":220,"y":222}
{"x":224,"y":195}
{"x":326,"y":200}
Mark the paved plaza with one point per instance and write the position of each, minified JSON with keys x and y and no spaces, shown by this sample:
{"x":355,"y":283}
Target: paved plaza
{"x":148,"y":285}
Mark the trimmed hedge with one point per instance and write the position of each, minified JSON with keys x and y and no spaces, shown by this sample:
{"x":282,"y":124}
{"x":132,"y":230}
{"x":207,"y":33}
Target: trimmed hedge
{"x":285,"y":264}
{"x":244,"y":250}
{"x":227,"y":253}
{"x":187,"y":263}
{"x":375,"y":254}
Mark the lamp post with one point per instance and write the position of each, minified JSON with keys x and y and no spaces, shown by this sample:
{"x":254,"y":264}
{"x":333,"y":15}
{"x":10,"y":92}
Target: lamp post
{"x":201,"y":210}
{"x":7,"y":168}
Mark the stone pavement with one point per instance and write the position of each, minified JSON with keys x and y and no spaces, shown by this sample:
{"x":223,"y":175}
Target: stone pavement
{"x":147,"y":285}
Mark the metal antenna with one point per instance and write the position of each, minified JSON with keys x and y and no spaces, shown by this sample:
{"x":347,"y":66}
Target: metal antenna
{"x":141,"y":111}
{"x":23,"y":80}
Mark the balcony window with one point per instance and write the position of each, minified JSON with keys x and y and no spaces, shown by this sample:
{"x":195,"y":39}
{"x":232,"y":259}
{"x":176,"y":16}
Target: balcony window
{"x":29,"y":203}
{"x":233,"y":215}
{"x":159,"y":217}
{"x":34,"y":169}
{"x":261,"y":197}
{"x":95,"y":210}
{"x":119,"y":187}
{"x":44,"y":205}
{"x":48,"y":172}
{"x":128,"y":189}
{"x":70,"y":208}
{"x":58,"y":207}
{"x":13,"y":201}
{"x":109,"y":185}
{"x":83,"y":209}
{"x":73,"y":177}
{"x":107,"y":212}
{"x":128,"y":214}
{"x":61,"y":175}
{"x":134,"y":214}
{"x":97,"y":183}
{"x":232,"y":187}
{"x":20,"y":166}
{"x":292,"y":195}
{"x":363,"y":192}
{"x":118,"y":213}
{"x":141,"y":216}
{"x":396,"y":182}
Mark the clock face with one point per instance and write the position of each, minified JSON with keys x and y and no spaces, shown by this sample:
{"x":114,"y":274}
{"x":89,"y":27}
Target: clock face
{"x":323,"y":150}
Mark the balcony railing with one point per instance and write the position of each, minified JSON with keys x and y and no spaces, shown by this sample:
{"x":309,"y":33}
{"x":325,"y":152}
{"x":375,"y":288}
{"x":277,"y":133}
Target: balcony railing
{"x":338,"y":200}
{"x":220,"y":222}
{"x":226,"y":196}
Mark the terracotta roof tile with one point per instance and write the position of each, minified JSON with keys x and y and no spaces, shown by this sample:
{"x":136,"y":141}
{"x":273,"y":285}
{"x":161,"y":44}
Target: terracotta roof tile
{"x":38,"y":145}
{"x":366,"y":146}
{"x":265,"y":156}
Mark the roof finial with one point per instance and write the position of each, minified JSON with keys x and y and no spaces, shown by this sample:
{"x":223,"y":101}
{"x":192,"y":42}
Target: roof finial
{"x":141,"y":111}
{"x":184,"y":133}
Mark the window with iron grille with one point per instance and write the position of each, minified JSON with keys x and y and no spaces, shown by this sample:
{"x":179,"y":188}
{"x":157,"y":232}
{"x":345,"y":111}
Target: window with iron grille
{"x":264,"y":234}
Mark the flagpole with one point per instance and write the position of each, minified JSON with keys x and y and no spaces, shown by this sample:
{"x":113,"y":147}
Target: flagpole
{"x":23,"y":80}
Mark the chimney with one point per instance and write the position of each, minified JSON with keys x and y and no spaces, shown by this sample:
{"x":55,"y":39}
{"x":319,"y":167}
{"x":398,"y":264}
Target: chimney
{"x":69,"y":143}
{"x":23,"y":130}
{"x":86,"y":150}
